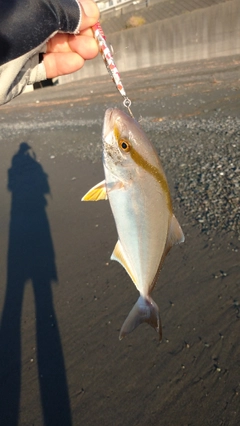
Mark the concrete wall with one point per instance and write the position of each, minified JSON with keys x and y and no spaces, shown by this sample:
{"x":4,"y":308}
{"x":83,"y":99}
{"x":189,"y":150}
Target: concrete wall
{"x":205,"y":33}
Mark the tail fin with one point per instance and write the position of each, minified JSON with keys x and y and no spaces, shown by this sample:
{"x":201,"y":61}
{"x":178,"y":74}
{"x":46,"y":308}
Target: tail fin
{"x":144,"y":310}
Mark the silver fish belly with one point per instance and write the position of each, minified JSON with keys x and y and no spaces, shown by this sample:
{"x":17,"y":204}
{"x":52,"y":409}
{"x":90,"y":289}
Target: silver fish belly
{"x":137,"y":189}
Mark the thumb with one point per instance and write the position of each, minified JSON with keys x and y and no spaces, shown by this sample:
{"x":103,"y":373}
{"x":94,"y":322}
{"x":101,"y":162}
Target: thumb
{"x":90,"y":13}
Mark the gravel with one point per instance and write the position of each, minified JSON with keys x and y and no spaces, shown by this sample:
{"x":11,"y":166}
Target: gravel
{"x":202,"y":158}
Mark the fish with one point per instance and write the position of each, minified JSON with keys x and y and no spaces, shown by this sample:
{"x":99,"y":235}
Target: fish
{"x":136,"y":187}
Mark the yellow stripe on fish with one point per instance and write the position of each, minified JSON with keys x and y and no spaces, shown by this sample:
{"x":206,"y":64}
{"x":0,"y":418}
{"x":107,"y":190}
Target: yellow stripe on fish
{"x":126,"y":146}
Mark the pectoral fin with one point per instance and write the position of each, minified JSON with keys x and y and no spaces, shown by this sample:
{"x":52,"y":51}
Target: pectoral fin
{"x":98,"y":192}
{"x":120,"y":256}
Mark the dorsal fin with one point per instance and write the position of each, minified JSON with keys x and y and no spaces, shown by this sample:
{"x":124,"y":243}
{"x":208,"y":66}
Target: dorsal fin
{"x":96,"y":193}
{"x":120,"y":256}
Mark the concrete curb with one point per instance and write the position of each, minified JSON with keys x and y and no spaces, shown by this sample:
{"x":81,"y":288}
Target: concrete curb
{"x":202,"y":34}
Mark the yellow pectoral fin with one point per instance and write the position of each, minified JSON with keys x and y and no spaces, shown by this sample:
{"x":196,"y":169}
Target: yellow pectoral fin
{"x":119,"y":255}
{"x":98,"y":192}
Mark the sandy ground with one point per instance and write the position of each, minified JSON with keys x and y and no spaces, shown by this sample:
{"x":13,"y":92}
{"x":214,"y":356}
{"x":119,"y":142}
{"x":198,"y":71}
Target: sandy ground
{"x":62,"y":301}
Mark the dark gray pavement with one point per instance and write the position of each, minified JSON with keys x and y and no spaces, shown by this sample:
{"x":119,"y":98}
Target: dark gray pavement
{"x":62,"y":302}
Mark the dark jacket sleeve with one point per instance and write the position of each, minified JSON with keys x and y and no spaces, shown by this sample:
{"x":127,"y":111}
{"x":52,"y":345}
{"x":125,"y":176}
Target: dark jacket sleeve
{"x":26,"y":24}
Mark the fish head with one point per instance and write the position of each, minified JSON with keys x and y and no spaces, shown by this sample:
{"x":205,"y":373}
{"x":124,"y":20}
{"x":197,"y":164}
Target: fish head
{"x":126,"y":147}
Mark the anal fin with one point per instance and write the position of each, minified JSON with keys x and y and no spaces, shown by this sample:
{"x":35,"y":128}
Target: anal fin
{"x":120,"y":256}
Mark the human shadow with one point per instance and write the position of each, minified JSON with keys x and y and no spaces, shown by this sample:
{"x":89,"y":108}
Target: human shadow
{"x":31,"y":257}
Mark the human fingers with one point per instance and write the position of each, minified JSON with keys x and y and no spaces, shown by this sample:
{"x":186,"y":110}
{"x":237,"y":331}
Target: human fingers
{"x":90,"y":14}
{"x":84,"y":45}
{"x":69,"y":57}
{"x":62,"y":63}
{"x":88,"y":32}
{"x":59,"y":43}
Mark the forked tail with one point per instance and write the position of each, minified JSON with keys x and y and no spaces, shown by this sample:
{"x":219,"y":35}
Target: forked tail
{"x":144,"y":310}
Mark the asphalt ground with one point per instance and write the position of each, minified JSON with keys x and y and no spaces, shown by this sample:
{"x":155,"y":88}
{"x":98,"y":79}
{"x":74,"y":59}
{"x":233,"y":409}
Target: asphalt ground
{"x":63,"y":302}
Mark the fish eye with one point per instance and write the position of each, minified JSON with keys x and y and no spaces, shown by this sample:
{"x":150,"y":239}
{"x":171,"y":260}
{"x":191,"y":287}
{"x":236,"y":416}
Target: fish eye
{"x":124,"y":145}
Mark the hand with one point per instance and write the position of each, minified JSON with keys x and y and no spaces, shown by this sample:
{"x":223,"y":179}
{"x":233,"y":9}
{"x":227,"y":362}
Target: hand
{"x":66,"y":53}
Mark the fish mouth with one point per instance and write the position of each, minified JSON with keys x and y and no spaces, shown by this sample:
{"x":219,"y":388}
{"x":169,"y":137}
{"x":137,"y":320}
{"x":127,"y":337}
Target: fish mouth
{"x":108,"y":122}
{"x":112,"y":117}
{"x":116,"y":118}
